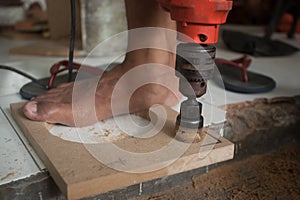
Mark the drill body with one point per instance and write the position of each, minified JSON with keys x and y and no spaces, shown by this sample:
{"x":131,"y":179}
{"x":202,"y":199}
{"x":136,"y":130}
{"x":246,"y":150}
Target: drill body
{"x":200,"y":20}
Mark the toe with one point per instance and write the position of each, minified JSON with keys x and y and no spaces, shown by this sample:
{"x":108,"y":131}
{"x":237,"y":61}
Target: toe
{"x":30,"y":110}
{"x":49,"y":112}
{"x":60,"y":113}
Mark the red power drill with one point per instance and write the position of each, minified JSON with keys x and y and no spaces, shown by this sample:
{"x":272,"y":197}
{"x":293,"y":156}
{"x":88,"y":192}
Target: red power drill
{"x":200,"y":20}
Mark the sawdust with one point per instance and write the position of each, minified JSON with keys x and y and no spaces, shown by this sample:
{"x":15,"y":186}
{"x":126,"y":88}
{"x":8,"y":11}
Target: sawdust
{"x":109,"y":130}
{"x":259,"y":177}
{"x":106,"y":132}
{"x":275,"y":175}
{"x":8,"y":176}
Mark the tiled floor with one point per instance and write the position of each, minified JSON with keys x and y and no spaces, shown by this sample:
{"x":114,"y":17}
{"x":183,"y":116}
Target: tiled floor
{"x":18,"y":160}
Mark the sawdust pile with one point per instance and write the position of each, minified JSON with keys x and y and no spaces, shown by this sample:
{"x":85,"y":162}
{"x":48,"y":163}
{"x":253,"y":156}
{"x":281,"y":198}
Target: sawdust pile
{"x":275,"y":175}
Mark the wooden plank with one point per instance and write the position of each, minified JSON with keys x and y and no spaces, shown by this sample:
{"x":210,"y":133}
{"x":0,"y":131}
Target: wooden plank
{"x":78,"y":174}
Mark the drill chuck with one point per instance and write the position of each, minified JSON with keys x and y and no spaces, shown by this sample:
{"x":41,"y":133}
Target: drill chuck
{"x":194,"y":66}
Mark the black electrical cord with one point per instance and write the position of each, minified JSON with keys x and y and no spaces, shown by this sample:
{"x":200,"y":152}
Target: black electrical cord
{"x":21,"y":73}
{"x":72,"y":39}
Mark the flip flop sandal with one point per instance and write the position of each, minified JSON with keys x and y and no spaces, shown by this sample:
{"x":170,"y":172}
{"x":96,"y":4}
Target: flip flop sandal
{"x":236,"y":78}
{"x":256,"y":46}
{"x":40,"y":86}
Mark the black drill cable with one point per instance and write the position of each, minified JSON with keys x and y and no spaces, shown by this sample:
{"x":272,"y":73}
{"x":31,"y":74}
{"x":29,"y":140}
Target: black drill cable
{"x":21,"y":73}
{"x":72,"y":39}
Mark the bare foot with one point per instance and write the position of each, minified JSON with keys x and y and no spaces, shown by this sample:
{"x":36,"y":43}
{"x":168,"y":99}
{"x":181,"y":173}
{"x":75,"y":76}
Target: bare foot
{"x":56,"y":106}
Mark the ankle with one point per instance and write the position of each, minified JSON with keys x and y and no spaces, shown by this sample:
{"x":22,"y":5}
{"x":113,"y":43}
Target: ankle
{"x":147,"y":56}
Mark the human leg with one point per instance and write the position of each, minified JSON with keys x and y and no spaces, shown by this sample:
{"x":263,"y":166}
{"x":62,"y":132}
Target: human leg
{"x":56,"y":105}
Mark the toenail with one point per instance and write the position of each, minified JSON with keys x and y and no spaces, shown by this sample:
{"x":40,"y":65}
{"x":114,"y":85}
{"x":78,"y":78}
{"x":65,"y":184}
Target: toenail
{"x":33,"y":107}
